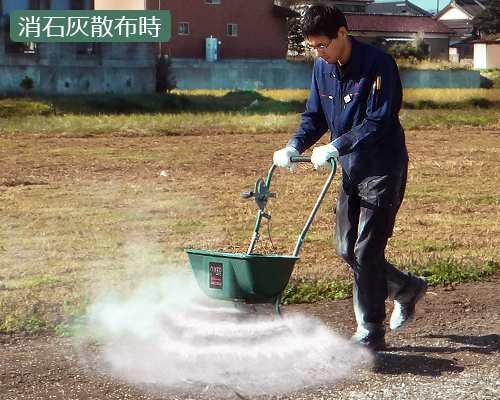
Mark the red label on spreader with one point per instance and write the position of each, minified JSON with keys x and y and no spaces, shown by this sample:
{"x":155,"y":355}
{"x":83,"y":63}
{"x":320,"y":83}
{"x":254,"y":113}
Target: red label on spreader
{"x":215,"y":275}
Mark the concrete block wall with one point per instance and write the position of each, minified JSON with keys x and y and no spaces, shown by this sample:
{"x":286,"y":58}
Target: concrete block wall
{"x":281,"y":74}
{"x":122,"y":68}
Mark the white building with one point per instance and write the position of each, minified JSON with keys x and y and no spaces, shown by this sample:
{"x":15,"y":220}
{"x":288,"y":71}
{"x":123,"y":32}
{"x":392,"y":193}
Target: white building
{"x":487,"y":52}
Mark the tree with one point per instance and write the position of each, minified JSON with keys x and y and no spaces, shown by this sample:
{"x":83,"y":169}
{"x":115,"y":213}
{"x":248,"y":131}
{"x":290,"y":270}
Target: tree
{"x":295,"y":37}
{"x":487,"y":22}
{"x":165,"y":80}
{"x":417,"y":49}
{"x":27,"y":84}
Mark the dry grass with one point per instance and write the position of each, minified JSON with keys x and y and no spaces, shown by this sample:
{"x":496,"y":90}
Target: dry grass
{"x":450,"y":95}
{"x":200,"y":124}
{"x":410,"y":95}
{"x":79,"y":214}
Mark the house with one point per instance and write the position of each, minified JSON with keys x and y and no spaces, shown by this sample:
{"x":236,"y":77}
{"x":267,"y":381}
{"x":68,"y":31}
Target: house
{"x":239,"y":31}
{"x":458,"y":16}
{"x":487,"y":52}
{"x":397,"y":22}
{"x":72,"y":68}
{"x":372,"y":28}
{"x":404,"y":7}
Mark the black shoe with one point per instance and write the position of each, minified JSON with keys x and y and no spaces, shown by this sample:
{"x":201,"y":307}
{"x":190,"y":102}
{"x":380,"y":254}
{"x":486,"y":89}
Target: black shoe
{"x":404,"y":311}
{"x":371,"y":342}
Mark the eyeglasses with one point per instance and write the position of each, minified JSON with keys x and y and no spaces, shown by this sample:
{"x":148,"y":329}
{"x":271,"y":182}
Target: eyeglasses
{"x":320,"y":47}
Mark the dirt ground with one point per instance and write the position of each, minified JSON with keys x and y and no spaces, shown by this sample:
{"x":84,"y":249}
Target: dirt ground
{"x":68,"y":206}
{"x":451,"y":351}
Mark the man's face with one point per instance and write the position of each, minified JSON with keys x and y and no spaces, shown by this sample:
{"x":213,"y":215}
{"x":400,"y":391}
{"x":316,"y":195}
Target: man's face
{"x":330,"y":50}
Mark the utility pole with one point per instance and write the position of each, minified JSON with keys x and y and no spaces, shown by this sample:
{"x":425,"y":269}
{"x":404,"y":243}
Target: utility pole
{"x":159,"y":43}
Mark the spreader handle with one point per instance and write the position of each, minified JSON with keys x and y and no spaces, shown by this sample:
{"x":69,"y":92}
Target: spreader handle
{"x":300,"y":159}
{"x":300,"y":240}
{"x":246,"y":195}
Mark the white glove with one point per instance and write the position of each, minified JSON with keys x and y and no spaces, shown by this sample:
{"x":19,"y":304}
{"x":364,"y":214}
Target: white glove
{"x":281,"y":158}
{"x":322,"y":154}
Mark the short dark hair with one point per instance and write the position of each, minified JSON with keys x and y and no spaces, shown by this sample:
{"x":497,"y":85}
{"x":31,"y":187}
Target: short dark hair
{"x":323,"y":19}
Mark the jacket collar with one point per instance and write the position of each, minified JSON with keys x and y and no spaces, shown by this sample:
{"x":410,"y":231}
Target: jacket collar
{"x":353,"y":67}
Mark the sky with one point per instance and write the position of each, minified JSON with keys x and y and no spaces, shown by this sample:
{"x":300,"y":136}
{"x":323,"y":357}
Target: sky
{"x":425,"y":4}
{"x":11,"y":4}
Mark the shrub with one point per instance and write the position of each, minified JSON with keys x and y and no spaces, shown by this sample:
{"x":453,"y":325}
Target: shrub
{"x":165,"y":80}
{"x":27,"y":84}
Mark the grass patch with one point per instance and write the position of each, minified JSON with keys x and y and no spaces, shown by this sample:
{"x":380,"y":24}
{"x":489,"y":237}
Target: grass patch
{"x":196,"y":124}
{"x":31,"y":282}
{"x":245,"y":101}
{"x":263,"y":102}
{"x":474,"y":102}
{"x":437,"y":273}
{"x":449,"y":272}
{"x":311,"y":291}
{"x":73,"y":322}
{"x":32,"y":325}
{"x":433,"y":118}
{"x":12,"y":107}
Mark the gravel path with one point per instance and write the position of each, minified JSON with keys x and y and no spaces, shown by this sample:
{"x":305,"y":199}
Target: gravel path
{"x":450,"y":352}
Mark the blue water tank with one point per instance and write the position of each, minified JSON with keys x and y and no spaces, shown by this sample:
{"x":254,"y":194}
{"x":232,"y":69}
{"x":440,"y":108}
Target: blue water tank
{"x":212,"y":48}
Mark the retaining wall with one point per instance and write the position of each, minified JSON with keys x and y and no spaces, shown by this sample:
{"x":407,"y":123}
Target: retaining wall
{"x":281,"y":74}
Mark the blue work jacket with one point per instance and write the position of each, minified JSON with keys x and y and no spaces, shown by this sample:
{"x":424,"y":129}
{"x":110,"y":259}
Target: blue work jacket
{"x":359,"y":103}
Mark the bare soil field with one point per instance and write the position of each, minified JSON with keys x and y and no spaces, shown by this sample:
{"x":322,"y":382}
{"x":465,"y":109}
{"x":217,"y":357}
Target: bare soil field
{"x":80,"y":215}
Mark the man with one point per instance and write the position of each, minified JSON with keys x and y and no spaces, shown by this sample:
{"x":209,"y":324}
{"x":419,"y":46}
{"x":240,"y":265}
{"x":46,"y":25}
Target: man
{"x":356,"y":94}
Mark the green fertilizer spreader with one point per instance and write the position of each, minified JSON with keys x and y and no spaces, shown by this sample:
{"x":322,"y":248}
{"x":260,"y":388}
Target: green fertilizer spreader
{"x":248,"y":277}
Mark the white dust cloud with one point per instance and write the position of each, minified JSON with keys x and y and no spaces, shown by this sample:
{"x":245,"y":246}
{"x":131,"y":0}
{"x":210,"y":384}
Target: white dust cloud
{"x":168,"y":333}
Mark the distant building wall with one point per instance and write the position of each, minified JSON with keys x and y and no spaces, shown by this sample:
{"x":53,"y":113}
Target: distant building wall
{"x":486,"y":55}
{"x":280,"y":74}
{"x":64,"y":69}
{"x":241,"y":74}
{"x":120,"y":4}
{"x":259,"y":32}
{"x":479,"y":55}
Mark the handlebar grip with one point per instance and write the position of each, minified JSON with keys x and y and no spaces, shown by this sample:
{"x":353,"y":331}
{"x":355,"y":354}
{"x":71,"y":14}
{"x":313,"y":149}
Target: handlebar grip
{"x":304,"y":159}
{"x":246,"y":195}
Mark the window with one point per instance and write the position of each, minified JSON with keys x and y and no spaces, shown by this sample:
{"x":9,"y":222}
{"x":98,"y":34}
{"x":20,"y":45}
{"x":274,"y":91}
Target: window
{"x":212,"y":1}
{"x":183,"y":28}
{"x":20,"y":48}
{"x":232,"y":29}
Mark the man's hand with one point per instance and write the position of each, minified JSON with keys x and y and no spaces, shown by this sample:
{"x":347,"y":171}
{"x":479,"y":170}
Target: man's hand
{"x":281,"y":158}
{"x":322,"y":154}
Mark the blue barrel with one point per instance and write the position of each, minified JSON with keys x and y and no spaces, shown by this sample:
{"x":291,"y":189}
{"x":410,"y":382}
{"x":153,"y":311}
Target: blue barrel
{"x":212,"y":48}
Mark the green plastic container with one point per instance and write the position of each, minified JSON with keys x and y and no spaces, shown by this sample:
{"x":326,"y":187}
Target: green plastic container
{"x":253,"y":278}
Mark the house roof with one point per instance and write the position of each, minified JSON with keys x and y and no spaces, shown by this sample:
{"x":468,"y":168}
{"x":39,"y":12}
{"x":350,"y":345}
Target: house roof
{"x":469,"y":7}
{"x":397,"y":8}
{"x":394,"y":23}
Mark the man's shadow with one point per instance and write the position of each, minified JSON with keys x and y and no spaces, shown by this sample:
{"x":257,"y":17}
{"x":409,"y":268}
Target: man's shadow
{"x":395,"y":364}
{"x":486,"y":344}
